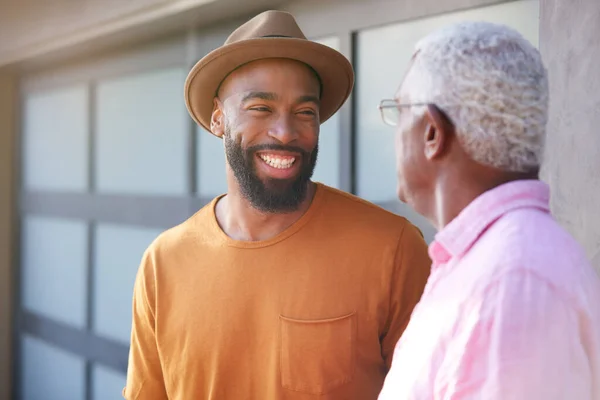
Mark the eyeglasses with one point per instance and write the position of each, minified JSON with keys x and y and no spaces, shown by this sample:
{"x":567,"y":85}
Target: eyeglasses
{"x":390,"y":110}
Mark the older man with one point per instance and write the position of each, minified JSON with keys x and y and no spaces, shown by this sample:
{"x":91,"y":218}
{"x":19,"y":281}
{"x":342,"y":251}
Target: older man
{"x":512,"y":307}
{"x":282,"y":288}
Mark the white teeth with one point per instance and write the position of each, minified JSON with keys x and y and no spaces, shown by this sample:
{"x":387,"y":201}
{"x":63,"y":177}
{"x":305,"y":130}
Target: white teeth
{"x":279,"y":163}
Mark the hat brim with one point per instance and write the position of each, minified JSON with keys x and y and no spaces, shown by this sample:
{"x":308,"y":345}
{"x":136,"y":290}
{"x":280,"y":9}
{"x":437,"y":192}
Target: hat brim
{"x":334,"y":70}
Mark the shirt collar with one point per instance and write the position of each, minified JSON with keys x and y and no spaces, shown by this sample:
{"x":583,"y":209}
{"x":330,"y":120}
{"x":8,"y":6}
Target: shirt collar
{"x":463,"y":231}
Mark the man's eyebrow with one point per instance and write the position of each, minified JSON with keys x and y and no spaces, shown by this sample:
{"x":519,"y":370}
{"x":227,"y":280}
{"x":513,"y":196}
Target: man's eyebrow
{"x":309,"y":99}
{"x":259,"y":95}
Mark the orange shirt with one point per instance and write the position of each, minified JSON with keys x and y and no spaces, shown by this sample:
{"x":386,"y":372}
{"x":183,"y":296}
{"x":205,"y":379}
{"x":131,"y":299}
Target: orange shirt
{"x":312,"y":313}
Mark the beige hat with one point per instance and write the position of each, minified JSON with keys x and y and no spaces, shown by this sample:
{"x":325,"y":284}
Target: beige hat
{"x":272,"y":34}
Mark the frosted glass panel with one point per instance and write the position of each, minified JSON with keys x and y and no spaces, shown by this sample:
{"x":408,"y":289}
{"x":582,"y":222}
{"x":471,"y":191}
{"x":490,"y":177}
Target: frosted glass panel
{"x":54,"y":269}
{"x":107,"y":384}
{"x":55,"y":140}
{"x":49,"y":372}
{"x":328,"y":163}
{"x":211,"y":176}
{"x":142,"y":134}
{"x":118,"y":253}
{"x":384,"y":54}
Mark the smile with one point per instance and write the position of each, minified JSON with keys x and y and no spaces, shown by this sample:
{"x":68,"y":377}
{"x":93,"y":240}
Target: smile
{"x":277,"y":161}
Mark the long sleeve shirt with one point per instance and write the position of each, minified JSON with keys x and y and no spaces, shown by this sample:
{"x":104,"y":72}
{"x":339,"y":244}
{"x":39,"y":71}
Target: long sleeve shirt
{"x":511,"y":310}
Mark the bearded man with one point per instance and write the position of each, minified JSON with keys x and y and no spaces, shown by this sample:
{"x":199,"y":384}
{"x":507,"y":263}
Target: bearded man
{"x":282,"y":288}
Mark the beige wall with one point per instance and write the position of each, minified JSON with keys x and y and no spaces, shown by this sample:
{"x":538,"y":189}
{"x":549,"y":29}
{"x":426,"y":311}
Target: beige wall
{"x":7,"y":129}
{"x":569,"y":33}
{"x":29,"y":22}
{"x":55,"y":30}
{"x":326,"y":17}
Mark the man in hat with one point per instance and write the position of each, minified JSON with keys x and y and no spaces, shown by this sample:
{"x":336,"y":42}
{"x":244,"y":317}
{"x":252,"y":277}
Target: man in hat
{"x":512,"y":306}
{"x":282,"y":288}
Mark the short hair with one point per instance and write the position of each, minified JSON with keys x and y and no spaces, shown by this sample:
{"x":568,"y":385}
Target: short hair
{"x":491,"y":82}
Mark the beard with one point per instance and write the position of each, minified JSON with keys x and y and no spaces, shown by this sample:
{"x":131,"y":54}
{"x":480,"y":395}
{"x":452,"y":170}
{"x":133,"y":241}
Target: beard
{"x":269,"y":195}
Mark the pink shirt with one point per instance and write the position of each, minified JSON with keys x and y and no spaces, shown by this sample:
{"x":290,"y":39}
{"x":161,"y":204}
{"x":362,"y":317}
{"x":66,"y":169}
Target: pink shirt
{"x":511,"y":309}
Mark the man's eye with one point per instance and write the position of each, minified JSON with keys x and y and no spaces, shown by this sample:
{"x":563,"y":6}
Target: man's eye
{"x":308,"y":112}
{"x":259,"y":108}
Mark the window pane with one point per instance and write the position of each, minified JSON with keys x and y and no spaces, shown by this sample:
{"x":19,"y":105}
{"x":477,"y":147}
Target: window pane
{"x":142,"y":134}
{"x":55,"y":140}
{"x":49,"y":372}
{"x":54,"y":271}
{"x":117,"y":256}
{"x":107,"y":384}
{"x":328,"y":163}
{"x":384,"y":54}
{"x":211,"y":164}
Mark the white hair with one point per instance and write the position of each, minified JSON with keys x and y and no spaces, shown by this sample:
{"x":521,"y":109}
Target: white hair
{"x":492,"y":84}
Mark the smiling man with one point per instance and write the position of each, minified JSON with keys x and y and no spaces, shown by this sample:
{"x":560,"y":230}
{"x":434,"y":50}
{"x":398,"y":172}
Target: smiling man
{"x":271,"y":175}
{"x":281,"y":288}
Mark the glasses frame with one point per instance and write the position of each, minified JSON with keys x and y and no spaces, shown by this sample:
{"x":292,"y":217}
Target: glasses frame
{"x":387,"y":104}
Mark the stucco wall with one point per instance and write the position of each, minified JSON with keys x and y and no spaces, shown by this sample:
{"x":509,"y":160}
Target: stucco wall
{"x":7,"y":120}
{"x":30,"y":22}
{"x":50,"y":31}
{"x":569,"y":33}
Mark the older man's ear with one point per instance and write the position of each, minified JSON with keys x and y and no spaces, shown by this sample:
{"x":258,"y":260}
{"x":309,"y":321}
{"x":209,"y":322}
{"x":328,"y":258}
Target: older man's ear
{"x":438,"y":132}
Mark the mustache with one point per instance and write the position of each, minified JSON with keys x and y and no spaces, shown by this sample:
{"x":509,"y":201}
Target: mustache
{"x":277,"y":147}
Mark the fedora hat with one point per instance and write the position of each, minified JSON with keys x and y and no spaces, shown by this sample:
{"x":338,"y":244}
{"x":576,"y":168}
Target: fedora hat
{"x":271,"y":34}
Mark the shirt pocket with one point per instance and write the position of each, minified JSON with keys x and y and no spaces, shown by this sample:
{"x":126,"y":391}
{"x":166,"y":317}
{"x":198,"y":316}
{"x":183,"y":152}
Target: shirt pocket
{"x":317,"y":356}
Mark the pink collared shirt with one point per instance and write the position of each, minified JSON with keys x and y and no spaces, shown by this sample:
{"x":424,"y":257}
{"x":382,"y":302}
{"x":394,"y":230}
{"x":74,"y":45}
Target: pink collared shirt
{"x":511,"y":309}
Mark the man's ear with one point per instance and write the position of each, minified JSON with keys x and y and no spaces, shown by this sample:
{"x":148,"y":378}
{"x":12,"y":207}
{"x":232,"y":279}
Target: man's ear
{"x":437,"y":133}
{"x":217,"y":119}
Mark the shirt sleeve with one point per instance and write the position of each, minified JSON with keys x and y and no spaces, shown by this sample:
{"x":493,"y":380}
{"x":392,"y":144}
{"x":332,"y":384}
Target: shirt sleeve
{"x":144,"y":372}
{"x":411,"y":271}
{"x":519,"y":342}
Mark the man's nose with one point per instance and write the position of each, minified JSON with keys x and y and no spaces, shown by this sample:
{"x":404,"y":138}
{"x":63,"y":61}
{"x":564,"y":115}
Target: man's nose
{"x":283,"y":130}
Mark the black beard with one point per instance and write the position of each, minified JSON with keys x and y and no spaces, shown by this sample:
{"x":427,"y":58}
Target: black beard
{"x":274,"y":195}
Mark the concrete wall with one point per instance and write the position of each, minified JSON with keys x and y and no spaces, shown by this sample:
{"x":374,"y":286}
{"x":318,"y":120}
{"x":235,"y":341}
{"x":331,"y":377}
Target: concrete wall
{"x":569,"y":32}
{"x":7,"y":128}
{"x":51,"y":31}
{"x":28,"y":23}
{"x":326,"y":17}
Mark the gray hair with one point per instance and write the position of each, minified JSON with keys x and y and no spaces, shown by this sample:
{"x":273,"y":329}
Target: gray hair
{"x":492,"y":84}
